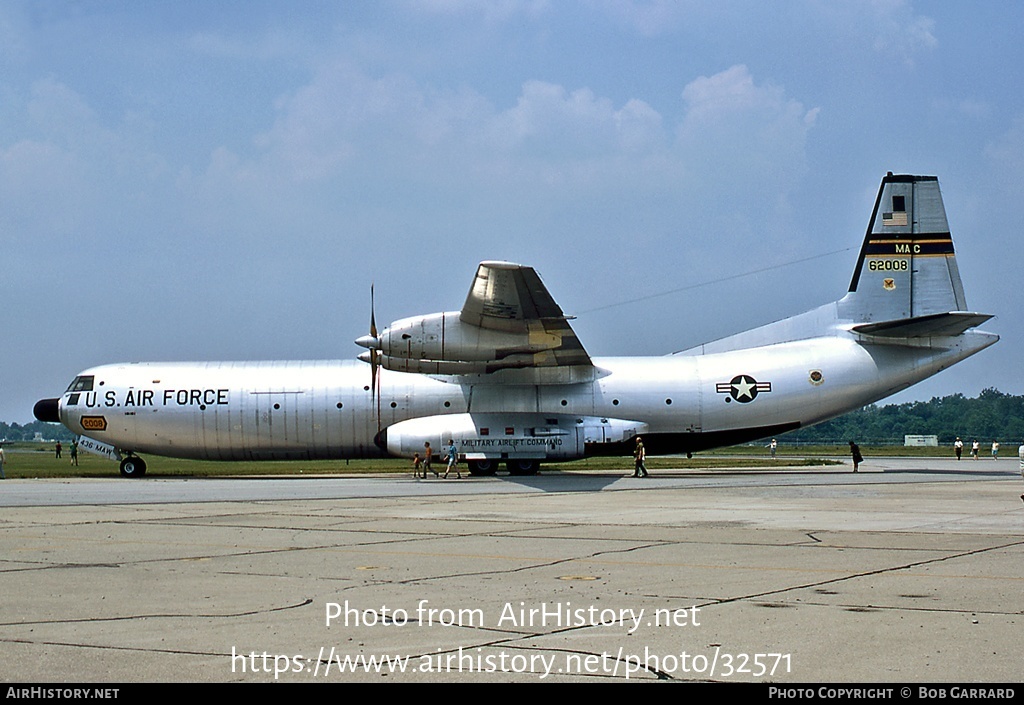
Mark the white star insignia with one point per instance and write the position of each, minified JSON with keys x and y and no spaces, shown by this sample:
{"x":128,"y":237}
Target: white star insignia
{"x":743,"y":388}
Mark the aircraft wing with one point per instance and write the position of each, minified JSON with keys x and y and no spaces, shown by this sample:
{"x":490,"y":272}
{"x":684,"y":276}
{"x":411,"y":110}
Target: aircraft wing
{"x":510,"y":330}
{"x":511,"y":298}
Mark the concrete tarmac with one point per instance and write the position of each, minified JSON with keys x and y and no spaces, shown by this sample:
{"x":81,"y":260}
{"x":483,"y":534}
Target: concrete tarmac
{"x":910,"y":571}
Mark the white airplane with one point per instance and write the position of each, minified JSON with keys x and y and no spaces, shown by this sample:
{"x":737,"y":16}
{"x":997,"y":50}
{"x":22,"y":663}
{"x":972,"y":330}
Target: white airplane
{"x":508,"y":380}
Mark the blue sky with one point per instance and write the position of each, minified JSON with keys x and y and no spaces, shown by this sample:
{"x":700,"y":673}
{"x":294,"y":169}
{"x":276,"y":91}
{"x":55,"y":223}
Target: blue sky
{"x":225,"y":180}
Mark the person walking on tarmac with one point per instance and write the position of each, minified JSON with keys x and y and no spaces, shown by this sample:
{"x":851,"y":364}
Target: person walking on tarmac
{"x":453,"y":460}
{"x":639,"y":456}
{"x":428,"y":457}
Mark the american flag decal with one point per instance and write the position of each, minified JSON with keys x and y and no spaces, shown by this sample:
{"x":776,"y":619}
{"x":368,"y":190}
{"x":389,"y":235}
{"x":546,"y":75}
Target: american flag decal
{"x":894,"y":218}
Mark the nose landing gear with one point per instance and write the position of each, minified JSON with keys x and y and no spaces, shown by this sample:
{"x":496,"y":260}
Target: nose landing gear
{"x":133,"y":466}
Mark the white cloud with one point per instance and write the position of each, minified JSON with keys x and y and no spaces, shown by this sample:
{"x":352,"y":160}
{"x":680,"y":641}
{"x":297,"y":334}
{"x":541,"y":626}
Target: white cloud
{"x":50,"y":176}
{"x":61,"y":114}
{"x":554,"y":145}
{"x":899,"y":31}
{"x":639,"y":126}
{"x":345,"y":121}
{"x":550,"y":120}
{"x":70,"y":173}
{"x":733,"y":125}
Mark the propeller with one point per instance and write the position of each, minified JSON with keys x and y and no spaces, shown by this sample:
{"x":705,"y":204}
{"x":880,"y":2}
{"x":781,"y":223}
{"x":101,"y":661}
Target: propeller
{"x":375,"y":350}
{"x":372,"y":343}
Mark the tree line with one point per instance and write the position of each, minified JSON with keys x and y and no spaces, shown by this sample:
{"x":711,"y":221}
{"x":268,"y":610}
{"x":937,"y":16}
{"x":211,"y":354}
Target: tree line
{"x":46,"y":431}
{"x":991,"y":416}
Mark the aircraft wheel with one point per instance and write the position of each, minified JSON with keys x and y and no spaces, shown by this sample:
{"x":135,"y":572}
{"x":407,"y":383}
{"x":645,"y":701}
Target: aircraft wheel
{"x":133,"y":467}
{"x":523,"y":467}
{"x":482,"y":467}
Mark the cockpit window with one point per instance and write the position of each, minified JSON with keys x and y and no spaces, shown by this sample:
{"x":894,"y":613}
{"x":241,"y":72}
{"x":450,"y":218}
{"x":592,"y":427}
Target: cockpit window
{"x":82,"y":383}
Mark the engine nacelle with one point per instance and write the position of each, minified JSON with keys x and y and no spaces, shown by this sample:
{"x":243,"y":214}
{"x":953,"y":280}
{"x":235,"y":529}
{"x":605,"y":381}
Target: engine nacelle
{"x":509,"y":436}
{"x":443,"y":336}
{"x":509,"y":328}
{"x":453,"y":367}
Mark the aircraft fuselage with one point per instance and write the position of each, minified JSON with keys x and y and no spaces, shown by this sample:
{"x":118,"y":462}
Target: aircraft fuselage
{"x":325,"y":409}
{"x":507,"y":379}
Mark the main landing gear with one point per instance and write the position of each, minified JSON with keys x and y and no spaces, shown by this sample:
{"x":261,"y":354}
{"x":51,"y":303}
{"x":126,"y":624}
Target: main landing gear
{"x":482,"y":468}
{"x":488,"y":466}
{"x":523,"y":467}
{"x":133,"y":466}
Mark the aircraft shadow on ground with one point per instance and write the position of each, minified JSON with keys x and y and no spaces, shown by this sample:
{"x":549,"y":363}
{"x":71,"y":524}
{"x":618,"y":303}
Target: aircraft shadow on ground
{"x":558,"y":482}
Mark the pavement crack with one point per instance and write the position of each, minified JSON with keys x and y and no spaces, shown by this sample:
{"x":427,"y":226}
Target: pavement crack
{"x":182,"y":615}
{"x":109,"y":647}
{"x":864,"y":574}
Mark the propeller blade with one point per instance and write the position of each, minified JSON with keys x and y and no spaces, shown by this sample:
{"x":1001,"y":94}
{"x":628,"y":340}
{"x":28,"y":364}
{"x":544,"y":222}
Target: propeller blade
{"x":373,"y":374}
{"x":373,"y":318}
{"x":372,"y":342}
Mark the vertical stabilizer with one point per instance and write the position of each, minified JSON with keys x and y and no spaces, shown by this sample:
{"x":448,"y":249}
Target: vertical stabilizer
{"x":907,"y":267}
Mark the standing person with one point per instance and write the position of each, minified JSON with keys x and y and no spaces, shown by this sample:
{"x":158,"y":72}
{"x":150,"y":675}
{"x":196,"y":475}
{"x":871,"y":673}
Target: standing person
{"x":453,"y":460}
{"x":3,"y":460}
{"x":1020,"y":454}
{"x":58,"y":449}
{"x":417,"y":462}
{"x":772,"y":447}
{"x":855,"y":454}
{"x":995,"y":450}
{"x":74,"y":452}
{"x":428,"y":457}
{"x":958,"y":447}
{"x":975,"y":448}
{"x":639,"y":455}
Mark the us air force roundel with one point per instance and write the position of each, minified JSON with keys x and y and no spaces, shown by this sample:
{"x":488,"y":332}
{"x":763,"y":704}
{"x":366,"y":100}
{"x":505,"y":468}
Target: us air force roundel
{"x":743,"y":388}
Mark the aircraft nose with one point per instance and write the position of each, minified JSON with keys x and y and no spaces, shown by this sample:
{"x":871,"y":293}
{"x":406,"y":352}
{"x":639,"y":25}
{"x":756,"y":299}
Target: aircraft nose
{"x":47,"y":410}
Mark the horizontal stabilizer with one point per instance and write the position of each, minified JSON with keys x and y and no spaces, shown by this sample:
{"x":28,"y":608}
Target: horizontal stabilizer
{"x":935,"y":325}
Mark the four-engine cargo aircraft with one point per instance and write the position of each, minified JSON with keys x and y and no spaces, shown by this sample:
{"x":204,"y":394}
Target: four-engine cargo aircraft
{"x":508,"y":380}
